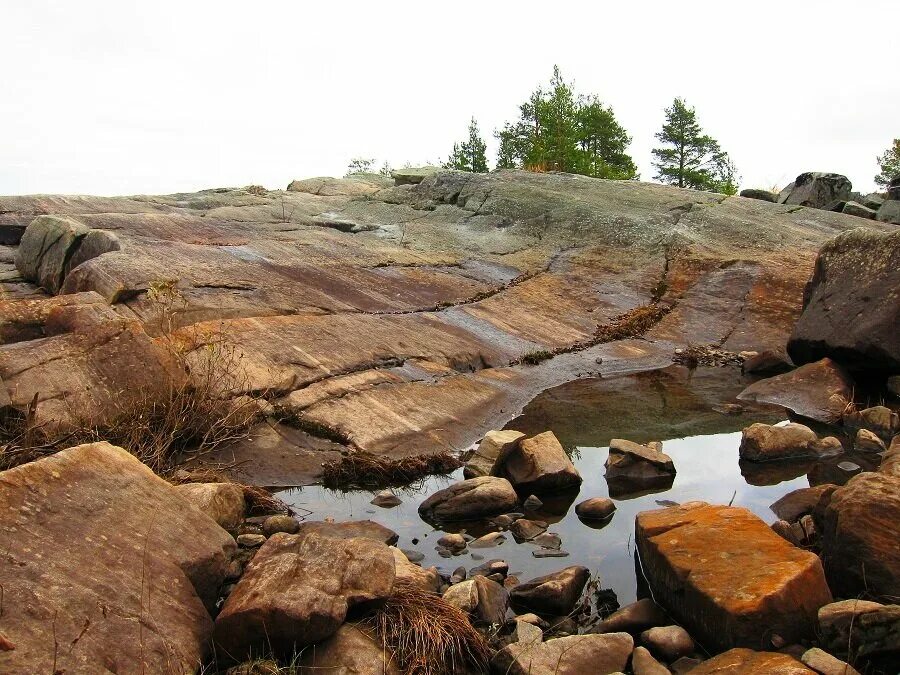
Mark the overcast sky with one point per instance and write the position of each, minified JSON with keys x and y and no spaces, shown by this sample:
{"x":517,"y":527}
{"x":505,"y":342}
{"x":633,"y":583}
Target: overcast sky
{"x":126,"y":97}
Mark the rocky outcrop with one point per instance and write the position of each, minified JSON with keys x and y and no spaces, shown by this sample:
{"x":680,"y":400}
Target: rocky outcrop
{"x":574,"y":655}
{"x":860,"y":530}
{"x":104,"y":557}
{"x":552,"y":594}
{"x":755,"y":585}
{"x":297,"y":590}
{"x":471,"y":499}
{"x":819,"y":391}
{"x":493,"y":445}
{"x":748,"y":662}
{"x":223,"y":502}
{"x":850,"y":310}
{"x":817,"y":190}
{"x":537,"y":464}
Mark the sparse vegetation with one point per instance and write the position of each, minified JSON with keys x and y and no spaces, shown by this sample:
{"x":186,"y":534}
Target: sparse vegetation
{"x":364,"y":470}
{"x":888,"y":165}
{"x":632,"y":323}
{"x":535,"y":357}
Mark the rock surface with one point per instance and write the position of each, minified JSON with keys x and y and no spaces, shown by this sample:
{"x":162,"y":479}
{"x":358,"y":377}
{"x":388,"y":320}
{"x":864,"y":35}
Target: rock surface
{"x":637,"y":462}
{"x":863,"y":627}
{"x":765,"y":442}
{"x":494,"y":443}
{"x":485,"y":601}
{"x":755,"y":584}
{"x":574,"y":655}
{"x":537,"y":464}
{"x":825,"y":664}
{"x":817,"y":190}
{"x":634,"y":618}
{"x":595,"y":508}
{"x":350,"y":529}
{"x":554,"y":594}
{"x":352,"y":650}
{"x":223,"y":502}
{"x":748,"y":662}
{"x":643,"y":663}
{"x":97,"y":545}
{"x":471,"y":499}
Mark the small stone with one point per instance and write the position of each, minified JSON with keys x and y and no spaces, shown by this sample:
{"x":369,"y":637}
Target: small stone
{"x":849,"y":467}
{"x":549,"y":540}
{"x":532,"y":503}
{"x":251,"y":540}
{"x":868,"y":441}
{"x":452,"y":542}
{"x":668,"y":642}
{"x":487,"y":541}
{"x":413,"y":556}
{"x":459,"y":574}
{"x":274,"y":524}
{"x":596,"y":508}
{"x":526,"y":530}
{"x":386,"y":499}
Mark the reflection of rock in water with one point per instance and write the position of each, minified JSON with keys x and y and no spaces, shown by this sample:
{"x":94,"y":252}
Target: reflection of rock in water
{"x":625,"y":487}
{"x":671,"y":403}
{"x":819,"y":472}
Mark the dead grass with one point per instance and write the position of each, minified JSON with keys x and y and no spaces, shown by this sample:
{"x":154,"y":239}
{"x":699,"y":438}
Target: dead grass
{"x":632,"y":323}
{"x":364,"y":470}
{"x":428,"y":635}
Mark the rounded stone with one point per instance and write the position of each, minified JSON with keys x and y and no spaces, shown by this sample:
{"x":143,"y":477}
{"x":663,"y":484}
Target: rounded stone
{"x":596,"y":508}
{"x":668,"y":642}
{"x":280,"y":523}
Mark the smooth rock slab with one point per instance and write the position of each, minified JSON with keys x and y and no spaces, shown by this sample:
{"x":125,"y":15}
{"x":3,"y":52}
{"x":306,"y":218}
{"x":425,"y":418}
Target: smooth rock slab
{"x":297,"y":590}
{"x":351,"y":529}
{"x":471,"y":499}
{"x":727,"y":577}
{"x":748,"y":662}
{"x":574,"y":655}
{"x":825,"y":664}
{"x":94,"y":544}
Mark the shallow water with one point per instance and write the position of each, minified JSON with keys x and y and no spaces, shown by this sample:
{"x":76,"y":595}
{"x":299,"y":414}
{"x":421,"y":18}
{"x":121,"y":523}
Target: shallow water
{"x":675,"y":406}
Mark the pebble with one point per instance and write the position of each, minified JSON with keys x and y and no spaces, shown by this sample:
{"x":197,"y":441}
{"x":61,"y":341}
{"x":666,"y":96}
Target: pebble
{"x":550,"y":553}
{"x":413,"y":556}
{"x":453,"y":542}
{"x":386,"y":499}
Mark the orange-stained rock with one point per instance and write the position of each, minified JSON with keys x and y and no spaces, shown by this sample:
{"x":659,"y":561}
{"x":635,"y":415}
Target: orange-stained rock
{"x":727,"y":577}
{"x":861,"y":531}
{"x":748,"y":662}
{"x":106,"y":558}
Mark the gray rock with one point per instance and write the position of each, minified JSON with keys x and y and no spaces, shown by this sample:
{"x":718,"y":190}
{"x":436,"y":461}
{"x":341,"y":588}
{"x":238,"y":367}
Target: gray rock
{"x":858,"y":210}
{"x":816,"y":190}
{"x":764,"y":195}
{"x":532,"y":503}
{"x":413,"y":175}
{"x":873,"y":201}
{"x":471,"y":499}
{"x":889,"y":212}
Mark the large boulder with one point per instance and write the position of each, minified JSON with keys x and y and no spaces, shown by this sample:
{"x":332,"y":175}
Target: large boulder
{"x":748,"y":662}
{"x":767,"y":442}
{"x":105,"y":559}
{"x":819,"y":391}
{"x":537,"y":464}
{"x":484,"y":600}
{"x":223,"y":502}
{"x":755,"y":585}
{"x":851,"y":310}
{"x":855,"y":628}
{"x":552,"y":594}
{"x":494,"y":444}
{"x":860,"y":531}
{"x":352,"y":650}
{"x":817,"y":190}
{"x":889,"y":212}
{"x":573,"y":655}
{"x":471,"y":499}
{"x":297,"y":590}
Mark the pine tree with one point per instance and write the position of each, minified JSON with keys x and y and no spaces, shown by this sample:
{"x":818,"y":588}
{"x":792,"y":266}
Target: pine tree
{"x":689,"y":158}
{"x":360,"y":165}
{"x":889,"y":163}
{"x":469,"y":155}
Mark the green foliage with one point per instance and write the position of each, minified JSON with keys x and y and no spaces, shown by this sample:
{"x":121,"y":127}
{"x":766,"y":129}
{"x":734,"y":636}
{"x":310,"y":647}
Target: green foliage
{"x":470,"y":154}
{"x":889,"y":163}
{"x":558,"y":130}
{"x":689,"y":158}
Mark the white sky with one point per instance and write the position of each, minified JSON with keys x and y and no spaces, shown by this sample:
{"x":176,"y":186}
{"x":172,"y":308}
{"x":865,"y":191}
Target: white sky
{"x":127,"y":97}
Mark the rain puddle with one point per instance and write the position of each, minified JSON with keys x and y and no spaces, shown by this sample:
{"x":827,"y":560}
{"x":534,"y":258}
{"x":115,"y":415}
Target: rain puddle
{"x":682,"y":408}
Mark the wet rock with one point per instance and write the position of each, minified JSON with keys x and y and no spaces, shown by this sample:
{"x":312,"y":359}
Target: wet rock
{"x":668,"y":642}
{"x":280,"y":523}
{"x":532,"y":503}
{"x":555,"y":593}
{"x":251,"y":540}
{"x":685,"y":665}
{"x":223,"y":502}
{"x":406,"y":570}
{"x":574,"y":655}
{"x":764,"y":195}
{"x":850,"y":311}
{"x":351,"y":529}
{"x":879,"y":419}
{"x":756,"y":584}
{"x":489,"y":568}
{"x":482,"y":599}
{"x":748,"y":662}
{"x":866,"y":628}
{"x":549,"y":553}
{"x":494,"y":444}
{"x":861,"y":528}
{"x":637,"y":462}
{"x":634,"y":618}
{"x":453,"y":542}
{"x":386,"y":499}
{"x":471,"y":499}
{"x":297,"y":590}
{"x":816,"y":190}
{"x":549,"y":540}
{"x":525,"y":530}
{"x":537,"y":464}
{"x":82,"y":528}
{"x":819,"y":391}
{"x":766,"y":362}
{"x":825,"y":664}
{"x":488,"y":540}
{"x":643,"y":663}
{"x":352,"y":650}
{"x":867,"y":441}
{"x":801,"y":502}
{"x":766,"y":442}
{"x":595,"y":508}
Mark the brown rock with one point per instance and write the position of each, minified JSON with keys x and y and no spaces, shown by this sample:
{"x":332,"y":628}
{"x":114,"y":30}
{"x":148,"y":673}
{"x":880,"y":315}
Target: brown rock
{"x":471,"y":499}
{"x":868,"y":441}
{"x":595,"y":508}
{"x":350,"y":529}
{"x":819,"y":391}
{"x":879,"y":419}
{"x":555,"y":593}
{"x":482,"y":599}
{"x":890,"y":462}
{"x":863,"y":627}
{"x":801,"y":502}
{"x":748,"y":662}
{"x":223,"y":502}
{"x":634,"y":618}
{"x":756,"y":584}
{"x":524,"y":529}
{"x":281,"y":523}
{"x":352,"y":650}
{"x":537,"y":464}
{"x":825,"y":664}
{"x":767,"y":362}
{"x":82,"y":529}
{"x":668,"y":642}
{"x":632,"y":460}
{"x":766,"y":442}
{"x":574,"y":655}
{"x":494,"y":444}
{"x":643,"y":663}
{"x":427,"y":579}
{"x":297,"y":590}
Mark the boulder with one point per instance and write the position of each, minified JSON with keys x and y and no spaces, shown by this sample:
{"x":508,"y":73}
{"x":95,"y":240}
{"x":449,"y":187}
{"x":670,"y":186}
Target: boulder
{"x":748,"y":662}
{"x":46,"y":248}
{"x":537,"y":464}
{"x":819,"y":391}
{"x":494,"y":444}
{"x":668,"y":642}
{"x":879,"y":419}
{"x":485,"y":601}
{"x":868,"y":441}
{"x":350,"y":529}
{"x":413,"y":175}
{"x":816,"y":190}
{"x":825,"y":664}
{"x":405,"y":570}
{"x":850,"y":310}
{"x":353,"y":650}
{"x":801,"y":502}
{"x":471,"y":499}
{"x":297,"y":590}
{"x":573,"y":655}
{"x":595,"y":508}
{"x":755,"y":585}
{"x":524,"y":529}
{"x":764,"y":195}
{"x":554,"y":594}
{"x":643,"y":663}
{"x":858,"y":210}
{"x":863,"y":627}
{"x":861,"y":528}
{"x":634,"y":618}
{"x":223,"y":502}
{"x":637,"y":462}
{"x":766,"y":442}
{"x":889,"y":212}
{"x":97,"y":546}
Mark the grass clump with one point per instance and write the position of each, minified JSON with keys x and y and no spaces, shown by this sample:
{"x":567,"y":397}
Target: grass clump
{"x":365,"y":470}
{"x":633,"y":323}
{"x":535,"y":357}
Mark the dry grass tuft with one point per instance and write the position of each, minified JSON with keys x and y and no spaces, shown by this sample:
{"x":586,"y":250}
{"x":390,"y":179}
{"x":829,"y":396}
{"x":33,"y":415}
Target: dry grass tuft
{"x":364,"y":470}
{"x":427,"y":634}
{"x":632,"y":323}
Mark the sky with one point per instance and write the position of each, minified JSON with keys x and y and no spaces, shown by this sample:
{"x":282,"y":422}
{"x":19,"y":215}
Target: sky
{"x":127,"y":97}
